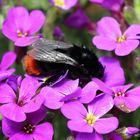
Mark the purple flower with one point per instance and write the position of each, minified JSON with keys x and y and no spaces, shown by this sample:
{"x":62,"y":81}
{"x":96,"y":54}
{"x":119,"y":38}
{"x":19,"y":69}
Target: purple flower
{"x":113,"y":5}
{"x":7,"y":60}
{"x":123,"y":133}
{"x":109,"y":37}
{"x":90,"y":121}
{"x":63,"y":4}
{"x":110,"y":77}
{"x":130,"y":131}
{"x":66,"y":91}
{"x":14,"y":81}
{"x":77,"y":19}
{"x":30,"y":129}
{"x":25,"y":100}
{"x":58,"y":33}
{"x":20,"y":25}
{"x":89,"y":136}
{"x":114,"y":136}
{"x":125,"y":99}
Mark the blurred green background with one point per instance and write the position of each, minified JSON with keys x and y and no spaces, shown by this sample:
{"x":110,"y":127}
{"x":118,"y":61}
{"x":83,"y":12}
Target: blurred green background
{"x":55,"y":17}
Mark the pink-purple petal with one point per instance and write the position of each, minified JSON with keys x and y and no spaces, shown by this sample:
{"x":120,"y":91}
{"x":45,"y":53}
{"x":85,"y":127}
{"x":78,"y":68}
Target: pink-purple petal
{"x":21,"y":136}
{"x":12,"y":112}
{"x":101,"y":105}
{"x":132,"y":102}
{"x":89,"y":136}
{"x":104,"y":43}
{"x":67,"y":86}
{"x":4,"y":74}
{"x":114,"y":5}
{"x":80,"y":125}
{"x":110,"y":65}
{"x":102,"y":86}
{"x":126,"y":47}
{"x":119,"y":100}
{"x":74,"y":110}
{"x":9,"y":127}
{"x":7,"y":94}
{"x":9,"y":30}
{"x":37,"y":116}
{"x":28,"y":88}
{"x":52,"y":98}
{"x":43,"y":132}
{"x":121,"y":88}
{"x":125,"y":104}
{"x":89,"y":92}
{"x":34,"y":104}
{"x":134,"y":95}
{"x":37,"y":19}
{"x":132,"y":130}
{"x":134,"y":91}
{"x":7,"y":60}
{"x":18,"y":14}
{"x":109,"y":28}
{"x":132,"y":31}
{"x":24,"y":41}
{"x":75,"y":95}
{"x":106,"y":125}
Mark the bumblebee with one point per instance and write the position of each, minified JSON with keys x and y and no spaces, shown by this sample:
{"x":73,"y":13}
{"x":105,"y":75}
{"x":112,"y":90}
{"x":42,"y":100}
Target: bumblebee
{"x":53,"y":58}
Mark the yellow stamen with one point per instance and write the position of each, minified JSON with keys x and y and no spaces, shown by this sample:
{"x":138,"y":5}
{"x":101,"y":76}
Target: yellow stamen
{"x":28,"y":128}
{"x":59,"y":3}
{"x":90,"y":118}
{"x":21,"y":34}
{"x":121,"y":39}
{"x":119,"y":94}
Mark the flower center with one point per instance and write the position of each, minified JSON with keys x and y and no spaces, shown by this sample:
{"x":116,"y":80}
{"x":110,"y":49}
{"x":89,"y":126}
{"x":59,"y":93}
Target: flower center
{"x":21,"y":103}
{"x":29,"y":128}
{"x":120,"y":94}
{"x":21,"y":34}
{"x":59,"y":3}
{"x":90,"y":119}
{"x":121,"y":39}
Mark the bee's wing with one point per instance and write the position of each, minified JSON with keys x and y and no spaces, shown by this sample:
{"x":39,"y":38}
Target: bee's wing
{"x":50,"y":44}
{"x":51,"y":56}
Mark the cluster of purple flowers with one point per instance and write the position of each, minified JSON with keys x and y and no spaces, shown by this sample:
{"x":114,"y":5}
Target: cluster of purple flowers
{"x":25,"y":101}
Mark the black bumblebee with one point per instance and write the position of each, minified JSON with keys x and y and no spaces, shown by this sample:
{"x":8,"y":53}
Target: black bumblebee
{"x":54,"y":58}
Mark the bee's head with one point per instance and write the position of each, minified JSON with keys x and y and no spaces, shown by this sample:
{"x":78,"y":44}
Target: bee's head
{"x":90,"y":63}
